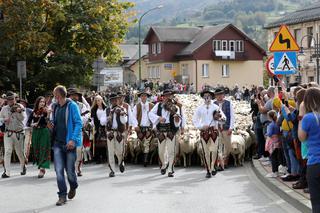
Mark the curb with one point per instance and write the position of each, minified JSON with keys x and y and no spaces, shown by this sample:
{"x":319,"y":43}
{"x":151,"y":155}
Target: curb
{"x":292,"y":197}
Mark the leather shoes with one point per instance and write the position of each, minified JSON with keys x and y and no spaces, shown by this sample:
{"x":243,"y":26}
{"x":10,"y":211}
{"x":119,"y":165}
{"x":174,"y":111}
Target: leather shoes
{"x":214,"y":173}
{"x":121,"y":167}
{"x":71,"y":194}
{"x":111,"y":174}
{"x":208,"y":175}
{"x":79,"y":174}
{"x":61,"y":201}
{"x":163,"y":171}
{"x":4,"y":175}
{"x":290,"y":178}
{"x":300,"y":185}
{"x":170,"y":174}
{"x":24,"y":170}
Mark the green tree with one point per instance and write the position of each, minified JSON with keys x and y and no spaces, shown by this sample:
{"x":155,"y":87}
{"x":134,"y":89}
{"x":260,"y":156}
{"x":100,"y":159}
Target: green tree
{"x":59,"y":39}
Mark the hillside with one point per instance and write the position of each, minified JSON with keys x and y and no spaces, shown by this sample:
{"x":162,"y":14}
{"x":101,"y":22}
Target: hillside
{"x":248,"y":15}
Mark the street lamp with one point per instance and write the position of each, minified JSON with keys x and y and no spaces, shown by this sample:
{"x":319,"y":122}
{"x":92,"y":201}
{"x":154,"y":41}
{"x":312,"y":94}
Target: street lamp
{"x":155,"y":8}
{"x":316,"y":54}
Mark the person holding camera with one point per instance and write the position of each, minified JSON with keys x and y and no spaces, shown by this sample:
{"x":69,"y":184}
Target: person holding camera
{"x":115,"y":123}
{"x":166,"y":117}
{"x":13,"y":116}
{"x":206,"y":119}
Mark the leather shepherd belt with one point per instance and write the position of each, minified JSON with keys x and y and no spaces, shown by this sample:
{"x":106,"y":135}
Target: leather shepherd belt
{"x":115,"y":133}
{"x":164,"y":127}
{"x":145,"y":132}
{"x":17,"y":132}
{"x":211,"y":132}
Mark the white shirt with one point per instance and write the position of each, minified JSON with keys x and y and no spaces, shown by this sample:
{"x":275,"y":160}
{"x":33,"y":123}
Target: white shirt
{"x":130,"y":115}
{"x":203,"y":116}
{"x":102,"y":116}
{"x":123,"y":120}
{"x":154,"y":118}
{"x":145,"y":122}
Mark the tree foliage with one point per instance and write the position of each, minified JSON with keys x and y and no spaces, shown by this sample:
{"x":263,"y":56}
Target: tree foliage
{"x":59,"y":39}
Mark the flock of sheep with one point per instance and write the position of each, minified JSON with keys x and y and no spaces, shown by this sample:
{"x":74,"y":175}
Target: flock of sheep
{"x":188,"y":148}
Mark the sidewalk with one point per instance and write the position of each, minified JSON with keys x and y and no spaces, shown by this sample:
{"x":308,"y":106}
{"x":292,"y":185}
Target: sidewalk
{"x":296,"y":198}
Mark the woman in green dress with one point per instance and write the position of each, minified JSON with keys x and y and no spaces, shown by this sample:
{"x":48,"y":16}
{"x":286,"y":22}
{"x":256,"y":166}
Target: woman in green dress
{"x":41,"y":145}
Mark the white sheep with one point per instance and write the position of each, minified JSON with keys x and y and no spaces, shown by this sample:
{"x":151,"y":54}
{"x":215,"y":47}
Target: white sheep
{"x":188,"y":145}
{"x":237,"y":149}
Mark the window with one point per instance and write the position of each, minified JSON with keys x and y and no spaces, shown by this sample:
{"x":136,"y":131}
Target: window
{"x":310,"y":32}
{"x":157,"y":74}
{"x":225,"y":70}
{"x":185,"y":70}
{"x":154,"y":48}
{"x":216,"y":45}
{"x":297,"y":34}
{"x":150,"y":72}
{"x":231,"y":46}
{"x":154,"y":72}
{"x":158,"y":48}
{"x":224,"y":45}
{"x":240,"y":46}
{"x":205,"y":70}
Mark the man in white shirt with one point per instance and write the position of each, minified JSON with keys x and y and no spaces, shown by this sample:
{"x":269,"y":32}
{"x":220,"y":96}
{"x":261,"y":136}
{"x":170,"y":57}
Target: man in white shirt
{"x":142,"y":123}
{"x":117,"y":119}
{"x":13,"y":115}
{"x":206,"y":118}
{"x":227,"y":108}
{"x":166,"y":119}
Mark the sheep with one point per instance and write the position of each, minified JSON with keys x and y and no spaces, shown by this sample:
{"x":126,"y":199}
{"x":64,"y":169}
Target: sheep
{"x":237,"y":149}
{"x":134,"y":146}
{"x":188,"y":145}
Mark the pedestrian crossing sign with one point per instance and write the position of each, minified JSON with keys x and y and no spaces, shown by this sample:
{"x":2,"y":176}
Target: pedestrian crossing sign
{"x":285,"y":63}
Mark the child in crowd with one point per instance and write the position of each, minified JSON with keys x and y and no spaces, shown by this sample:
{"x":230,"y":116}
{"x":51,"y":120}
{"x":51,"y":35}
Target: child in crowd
{"x":273,"y":143}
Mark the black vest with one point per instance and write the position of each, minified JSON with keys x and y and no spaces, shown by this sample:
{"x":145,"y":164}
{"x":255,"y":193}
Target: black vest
{"x":173,"y":127}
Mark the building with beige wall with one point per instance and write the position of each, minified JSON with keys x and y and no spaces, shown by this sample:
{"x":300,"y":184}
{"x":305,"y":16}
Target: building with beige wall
{"x":303,"y":24}
{"x":213,"y":55}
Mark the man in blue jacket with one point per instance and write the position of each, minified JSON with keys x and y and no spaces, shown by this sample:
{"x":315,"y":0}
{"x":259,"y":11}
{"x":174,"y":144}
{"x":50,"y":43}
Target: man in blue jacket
{"x":66,"y":124}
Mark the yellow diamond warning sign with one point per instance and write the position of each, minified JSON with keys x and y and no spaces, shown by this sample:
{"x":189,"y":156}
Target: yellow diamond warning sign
{"x":284,"y":41}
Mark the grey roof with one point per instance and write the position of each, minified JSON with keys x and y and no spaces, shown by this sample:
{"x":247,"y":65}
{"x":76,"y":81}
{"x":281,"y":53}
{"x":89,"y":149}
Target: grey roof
{"x":175,"y":34}
{"x":131,"y":51}
{"x":201,"y":38}
{"x":309,"y":13}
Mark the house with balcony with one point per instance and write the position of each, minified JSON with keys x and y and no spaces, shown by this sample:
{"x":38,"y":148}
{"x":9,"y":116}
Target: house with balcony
{"x":213,"y":55}
{"x":304,"y":25}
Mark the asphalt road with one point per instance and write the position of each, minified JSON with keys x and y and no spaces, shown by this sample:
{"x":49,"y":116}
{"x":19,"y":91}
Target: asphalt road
{"x":143,"y":190}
